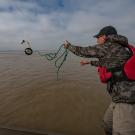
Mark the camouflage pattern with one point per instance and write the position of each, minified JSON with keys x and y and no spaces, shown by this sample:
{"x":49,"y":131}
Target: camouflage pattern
{"x":112,"y":54}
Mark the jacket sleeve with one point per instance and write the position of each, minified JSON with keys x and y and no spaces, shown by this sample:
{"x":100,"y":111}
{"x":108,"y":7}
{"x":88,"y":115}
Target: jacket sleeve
{"x":96,"y":51}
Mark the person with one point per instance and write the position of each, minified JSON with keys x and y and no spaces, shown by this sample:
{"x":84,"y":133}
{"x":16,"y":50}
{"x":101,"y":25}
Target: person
{"x":112,"y":52}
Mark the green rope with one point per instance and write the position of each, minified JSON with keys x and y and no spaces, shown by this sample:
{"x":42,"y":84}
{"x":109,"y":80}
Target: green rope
{"x":59,"y":60}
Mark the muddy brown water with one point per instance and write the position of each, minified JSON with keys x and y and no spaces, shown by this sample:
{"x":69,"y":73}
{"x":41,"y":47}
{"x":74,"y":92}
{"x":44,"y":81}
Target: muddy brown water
{"x":32,"y":99}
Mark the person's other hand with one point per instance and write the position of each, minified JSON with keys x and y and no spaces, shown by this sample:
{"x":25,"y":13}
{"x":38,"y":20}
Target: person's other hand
{"x":84,"y":62}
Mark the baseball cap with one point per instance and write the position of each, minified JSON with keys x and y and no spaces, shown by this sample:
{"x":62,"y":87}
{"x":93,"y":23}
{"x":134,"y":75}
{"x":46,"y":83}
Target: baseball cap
{"x":108,"y":30}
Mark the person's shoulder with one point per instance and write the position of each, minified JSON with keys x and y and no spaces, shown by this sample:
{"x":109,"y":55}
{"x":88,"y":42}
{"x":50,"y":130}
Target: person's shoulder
{"x":117,"y":39}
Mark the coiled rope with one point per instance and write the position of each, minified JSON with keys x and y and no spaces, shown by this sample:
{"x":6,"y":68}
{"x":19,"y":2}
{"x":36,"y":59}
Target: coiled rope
{"x":57,"y":57}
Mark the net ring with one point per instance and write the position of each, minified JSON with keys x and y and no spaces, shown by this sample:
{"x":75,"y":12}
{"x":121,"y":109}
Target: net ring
{"x":28,"y":51}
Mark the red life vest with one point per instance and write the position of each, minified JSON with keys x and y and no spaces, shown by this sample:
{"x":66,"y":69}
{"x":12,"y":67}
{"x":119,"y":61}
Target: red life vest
{"x":129,"y":68}
{"x":104,"y":74}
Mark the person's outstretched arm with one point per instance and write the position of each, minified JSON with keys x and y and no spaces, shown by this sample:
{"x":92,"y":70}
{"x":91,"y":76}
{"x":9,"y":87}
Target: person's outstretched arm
{"x":96,"y":51}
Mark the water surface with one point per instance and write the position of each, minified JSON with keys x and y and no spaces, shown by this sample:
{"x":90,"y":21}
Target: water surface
{"x":32,"y":99}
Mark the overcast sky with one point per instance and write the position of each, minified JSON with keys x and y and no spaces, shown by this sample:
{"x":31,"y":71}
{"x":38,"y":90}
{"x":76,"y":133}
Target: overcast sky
{"x":47,"y":23}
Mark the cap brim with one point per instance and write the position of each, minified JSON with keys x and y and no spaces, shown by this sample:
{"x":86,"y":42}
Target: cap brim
{"x":96,"y":36}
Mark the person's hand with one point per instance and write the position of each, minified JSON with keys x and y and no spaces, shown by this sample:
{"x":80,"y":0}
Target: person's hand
{"x":84,"y":62}
{"x":66,"y":44}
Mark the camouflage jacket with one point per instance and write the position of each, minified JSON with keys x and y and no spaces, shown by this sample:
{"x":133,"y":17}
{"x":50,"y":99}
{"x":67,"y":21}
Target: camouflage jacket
{"x":113,"y":53}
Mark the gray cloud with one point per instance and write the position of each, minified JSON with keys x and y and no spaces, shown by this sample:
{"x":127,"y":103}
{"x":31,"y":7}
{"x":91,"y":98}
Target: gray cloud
{"x":76,"y":23}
